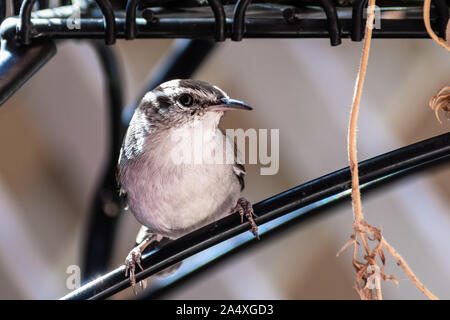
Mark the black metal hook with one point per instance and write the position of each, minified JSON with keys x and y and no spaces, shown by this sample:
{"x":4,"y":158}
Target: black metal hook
{"x":334,"y":27}
{"x":24,"y":29}
{"x":238,"y":27}
{"x":357,"y":19}
{"x":220,"y":19}
{"x":130,"y":21}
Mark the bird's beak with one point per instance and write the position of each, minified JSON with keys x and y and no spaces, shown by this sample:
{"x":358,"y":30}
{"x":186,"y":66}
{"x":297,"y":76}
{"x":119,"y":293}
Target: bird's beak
{"x":229,"y":104}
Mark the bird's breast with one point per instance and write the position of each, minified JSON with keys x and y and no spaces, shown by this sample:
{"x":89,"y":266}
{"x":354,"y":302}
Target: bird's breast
{"x":172,"y":190}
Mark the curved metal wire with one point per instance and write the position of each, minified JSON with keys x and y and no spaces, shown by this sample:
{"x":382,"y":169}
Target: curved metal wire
{"x":358,"y":19}
{"x":318,"y":193}
{"x":238,"y":27}
{"x":25,"y":26}
{"x":130,"y":22}
{"x":334,"y":27}
{"x":220,"y":19}
{"x":106,"y":207}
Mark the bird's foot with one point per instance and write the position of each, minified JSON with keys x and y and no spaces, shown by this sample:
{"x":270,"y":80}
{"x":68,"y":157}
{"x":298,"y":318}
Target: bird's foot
{"x":244,"y":208}
{"x":133,"y":259}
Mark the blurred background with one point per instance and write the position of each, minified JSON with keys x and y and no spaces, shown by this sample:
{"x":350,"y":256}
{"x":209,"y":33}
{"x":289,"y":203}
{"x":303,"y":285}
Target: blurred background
{"x":53,"y":140}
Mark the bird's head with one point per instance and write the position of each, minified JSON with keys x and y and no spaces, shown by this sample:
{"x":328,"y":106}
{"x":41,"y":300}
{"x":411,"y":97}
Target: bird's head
{"x":180,"y":102}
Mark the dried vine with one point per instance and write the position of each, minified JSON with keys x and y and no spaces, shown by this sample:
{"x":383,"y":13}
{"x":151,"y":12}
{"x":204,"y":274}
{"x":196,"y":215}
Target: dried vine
{"x":368,"y":272}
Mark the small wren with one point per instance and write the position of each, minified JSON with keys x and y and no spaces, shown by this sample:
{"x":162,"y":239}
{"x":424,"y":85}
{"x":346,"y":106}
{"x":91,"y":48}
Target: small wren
{"x":169,"y":198}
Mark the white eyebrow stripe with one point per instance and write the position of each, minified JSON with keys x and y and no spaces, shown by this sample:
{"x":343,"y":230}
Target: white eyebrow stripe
{"x":172,"y":91}
{"x":150,"y":97}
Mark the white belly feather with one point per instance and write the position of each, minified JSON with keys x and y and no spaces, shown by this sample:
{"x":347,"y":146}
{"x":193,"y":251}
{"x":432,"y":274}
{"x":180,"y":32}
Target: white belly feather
{"x":174,"y":199}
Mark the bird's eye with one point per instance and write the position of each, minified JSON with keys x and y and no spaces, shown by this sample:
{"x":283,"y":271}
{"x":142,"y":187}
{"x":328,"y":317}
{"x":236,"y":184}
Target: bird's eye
{"x":186,"y":100}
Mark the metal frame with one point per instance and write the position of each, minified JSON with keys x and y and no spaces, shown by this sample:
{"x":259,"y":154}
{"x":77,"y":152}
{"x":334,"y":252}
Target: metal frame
{"x":28,"y":43}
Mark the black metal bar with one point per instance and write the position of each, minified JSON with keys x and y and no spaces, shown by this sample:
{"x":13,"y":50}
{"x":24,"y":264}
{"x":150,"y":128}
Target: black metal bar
{"x":130,"y":23}
{"x":105,"y":209}
{"x":220,"y":19}
{"x":238,"y":26}
{"x":334,"y":27}
{"x":182,"y":62}
{"x":216,"y":7}
{"x":19,"y":63}
{"x":24,"y":28}
{"x":201,"y":28}
{"x":380,"y":169}
{"x":314,"y":211}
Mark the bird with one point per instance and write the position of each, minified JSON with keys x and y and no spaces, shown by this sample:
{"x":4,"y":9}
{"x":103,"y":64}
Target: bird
{"x":170,"y":197}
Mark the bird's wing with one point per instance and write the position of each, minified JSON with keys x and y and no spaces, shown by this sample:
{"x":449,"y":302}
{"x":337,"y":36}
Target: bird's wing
{"x":132,"y":147}
{"x":123,"y":198}
{"x":239,"y":171}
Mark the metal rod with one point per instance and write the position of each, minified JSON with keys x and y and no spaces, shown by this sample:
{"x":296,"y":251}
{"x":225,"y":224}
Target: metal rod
{"x":379,"y":170}
{"x":19,"y":63}
{"x":268,"y":23}
{"x":106,"y":206}
{"x":199,"y":28}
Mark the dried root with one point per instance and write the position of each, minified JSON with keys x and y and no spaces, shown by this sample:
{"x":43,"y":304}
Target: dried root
{"x":441,"y":102}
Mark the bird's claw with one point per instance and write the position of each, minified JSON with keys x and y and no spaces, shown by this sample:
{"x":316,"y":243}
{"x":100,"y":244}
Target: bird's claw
{"x":244,"y":208}
{"x":133,"y":259}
